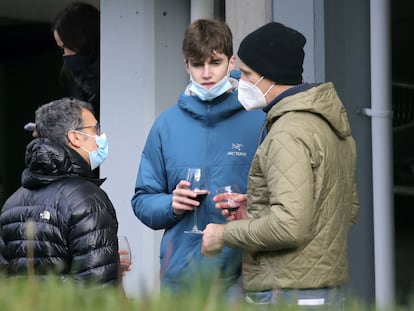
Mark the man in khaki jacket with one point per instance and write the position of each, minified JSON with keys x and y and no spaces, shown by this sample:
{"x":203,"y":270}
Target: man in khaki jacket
{"x":301,"y":197}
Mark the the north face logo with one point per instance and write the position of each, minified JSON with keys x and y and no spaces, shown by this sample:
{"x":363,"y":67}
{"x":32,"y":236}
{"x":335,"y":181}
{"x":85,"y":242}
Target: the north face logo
{"x":45,"y":215}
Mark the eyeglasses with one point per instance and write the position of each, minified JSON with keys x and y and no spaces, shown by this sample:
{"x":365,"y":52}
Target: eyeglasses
{"x":97,"y":127}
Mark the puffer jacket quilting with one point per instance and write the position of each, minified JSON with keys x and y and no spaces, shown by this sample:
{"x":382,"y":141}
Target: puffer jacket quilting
{"x":301,"y":202}
{"x":61,"y":219}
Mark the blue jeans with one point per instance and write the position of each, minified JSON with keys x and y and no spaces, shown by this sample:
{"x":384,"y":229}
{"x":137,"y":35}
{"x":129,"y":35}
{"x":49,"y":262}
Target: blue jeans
{"x":328,"y":298}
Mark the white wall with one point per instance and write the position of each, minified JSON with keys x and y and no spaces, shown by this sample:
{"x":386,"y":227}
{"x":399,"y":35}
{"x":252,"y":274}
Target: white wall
{"x":141,"y":74}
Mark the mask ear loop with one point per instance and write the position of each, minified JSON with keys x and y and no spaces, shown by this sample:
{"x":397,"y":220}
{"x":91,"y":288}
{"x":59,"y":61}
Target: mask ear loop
{"x":258,"y":81}
{"x":86,"y":134}
{"x":268,"y":90}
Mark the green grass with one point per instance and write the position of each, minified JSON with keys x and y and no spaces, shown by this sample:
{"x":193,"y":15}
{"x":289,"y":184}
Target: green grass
{"x":24,"y":294}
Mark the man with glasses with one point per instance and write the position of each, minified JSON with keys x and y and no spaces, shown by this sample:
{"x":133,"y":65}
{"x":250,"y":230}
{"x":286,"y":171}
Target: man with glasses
{"x":60,"y":212}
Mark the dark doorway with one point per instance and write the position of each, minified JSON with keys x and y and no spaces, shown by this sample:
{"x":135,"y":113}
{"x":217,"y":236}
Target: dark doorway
{"x":403,"y":133}
{"x":29,"y":77}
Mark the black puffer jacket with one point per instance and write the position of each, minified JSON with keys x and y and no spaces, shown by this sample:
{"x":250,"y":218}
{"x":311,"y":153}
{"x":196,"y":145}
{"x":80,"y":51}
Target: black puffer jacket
{"x":59,"y":218}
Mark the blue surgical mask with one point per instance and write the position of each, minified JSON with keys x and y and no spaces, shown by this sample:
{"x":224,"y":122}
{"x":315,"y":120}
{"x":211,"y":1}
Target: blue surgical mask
{"x":98,"y":156}
{"x":209,"y":94}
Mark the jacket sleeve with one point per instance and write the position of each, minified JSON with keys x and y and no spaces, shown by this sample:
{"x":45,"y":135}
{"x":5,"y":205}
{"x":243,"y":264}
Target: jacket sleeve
{"x":355,"y":205}
{"x":92,"y":240}
{"x":3,"y":262}
{"x":290,"y":185}
{"x":152,"y":201}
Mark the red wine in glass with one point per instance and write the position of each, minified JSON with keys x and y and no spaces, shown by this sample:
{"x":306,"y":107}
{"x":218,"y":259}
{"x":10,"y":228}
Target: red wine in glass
{"x":198,"y":183}
{"x":201,"y":195}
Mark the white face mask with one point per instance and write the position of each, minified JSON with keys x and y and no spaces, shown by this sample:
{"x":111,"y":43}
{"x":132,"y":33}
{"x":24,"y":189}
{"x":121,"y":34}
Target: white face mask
{"x":250,"y":96}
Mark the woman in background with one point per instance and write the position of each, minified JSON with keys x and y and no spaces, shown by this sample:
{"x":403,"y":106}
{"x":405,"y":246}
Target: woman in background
{"x":76,"y":30}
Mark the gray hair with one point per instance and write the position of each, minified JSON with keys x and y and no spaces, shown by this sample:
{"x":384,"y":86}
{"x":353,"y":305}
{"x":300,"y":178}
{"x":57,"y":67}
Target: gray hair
{"x":55,"y":119}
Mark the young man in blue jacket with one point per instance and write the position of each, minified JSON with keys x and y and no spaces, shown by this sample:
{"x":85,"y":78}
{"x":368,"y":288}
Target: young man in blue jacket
{"x":207,"y":128}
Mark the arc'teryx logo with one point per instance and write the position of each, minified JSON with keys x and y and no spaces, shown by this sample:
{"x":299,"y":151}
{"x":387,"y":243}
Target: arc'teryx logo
{"x":236,"y":146}
{"x":236,"y":150}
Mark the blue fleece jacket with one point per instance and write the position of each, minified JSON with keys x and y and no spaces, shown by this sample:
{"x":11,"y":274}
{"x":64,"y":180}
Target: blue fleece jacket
{"x":219,"y":136}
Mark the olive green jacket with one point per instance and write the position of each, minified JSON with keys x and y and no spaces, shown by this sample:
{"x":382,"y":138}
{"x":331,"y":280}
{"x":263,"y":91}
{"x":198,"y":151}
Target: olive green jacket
{"x":302,"y":196}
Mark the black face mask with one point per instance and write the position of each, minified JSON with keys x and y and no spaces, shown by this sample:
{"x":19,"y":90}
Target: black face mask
{"x":76,"y":63}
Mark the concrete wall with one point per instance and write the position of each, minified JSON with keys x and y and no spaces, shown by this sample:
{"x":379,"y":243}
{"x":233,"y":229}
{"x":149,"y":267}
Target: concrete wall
{"x":142,"y":73}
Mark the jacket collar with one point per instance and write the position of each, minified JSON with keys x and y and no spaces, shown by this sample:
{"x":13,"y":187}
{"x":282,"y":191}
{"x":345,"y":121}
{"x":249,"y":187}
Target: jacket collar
{"x":213,"y":111}
{"x":47,"y":161}
{"x":289,"y":92}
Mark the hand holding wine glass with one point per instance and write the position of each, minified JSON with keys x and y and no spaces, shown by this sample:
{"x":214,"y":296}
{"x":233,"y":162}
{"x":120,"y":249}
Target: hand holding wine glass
{"x":226,"y":197}
{"x":198,"y":183}
{"x":124,"y":251}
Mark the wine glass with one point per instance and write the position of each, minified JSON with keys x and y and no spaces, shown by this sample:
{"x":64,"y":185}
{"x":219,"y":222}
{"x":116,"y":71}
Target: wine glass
{"x":198,"y":183}
{"x":124,"y":251}
{"x":232,"y":189}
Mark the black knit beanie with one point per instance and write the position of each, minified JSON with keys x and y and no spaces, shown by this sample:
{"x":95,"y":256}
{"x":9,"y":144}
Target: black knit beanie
{"x":275,"y":52}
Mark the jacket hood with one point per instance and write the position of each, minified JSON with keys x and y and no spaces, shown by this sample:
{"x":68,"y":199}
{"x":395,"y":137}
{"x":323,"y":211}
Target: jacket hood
{"x":47,"y":161}
{"x":322,"y":100}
